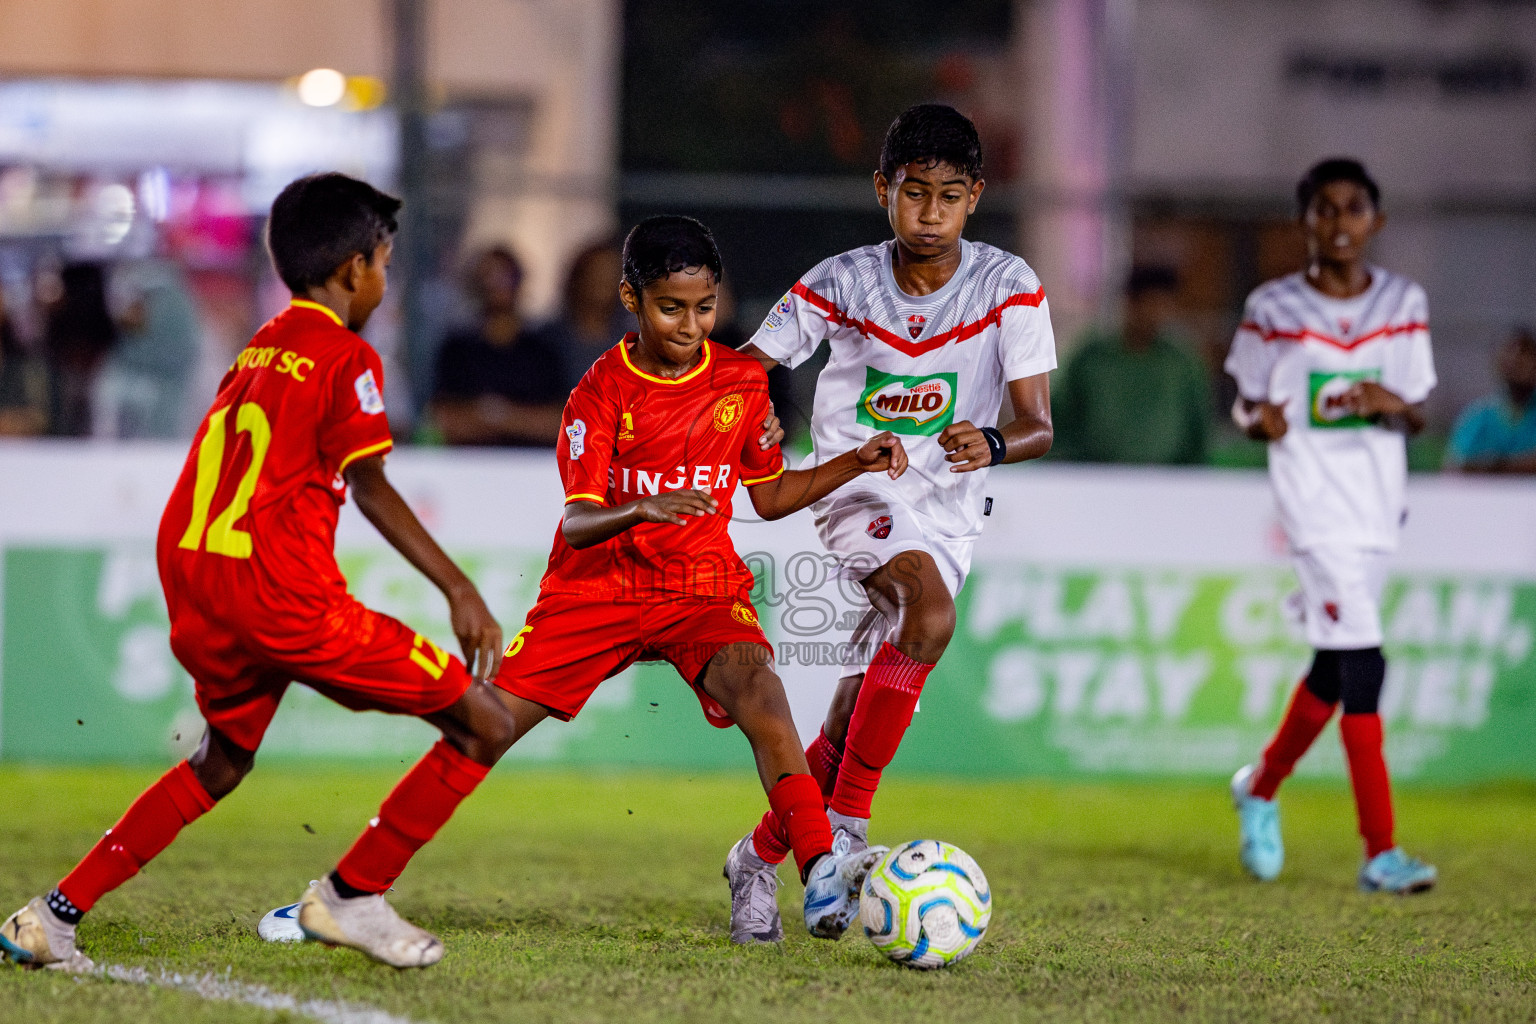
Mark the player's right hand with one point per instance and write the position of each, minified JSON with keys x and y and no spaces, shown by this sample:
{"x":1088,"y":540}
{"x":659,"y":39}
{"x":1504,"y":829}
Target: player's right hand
{"x":672,"y":506}
{"x":1262,"y":421}
{"x":883,"y":452}
{"x":478,"y":633}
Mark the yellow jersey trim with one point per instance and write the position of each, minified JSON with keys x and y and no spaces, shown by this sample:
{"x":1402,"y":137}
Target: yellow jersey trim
{"x":624,"y":352}
{"x":363,"y":453}
{"x":327,"y":310}
{"x":584,"y":497}
{"x":764,"y":479}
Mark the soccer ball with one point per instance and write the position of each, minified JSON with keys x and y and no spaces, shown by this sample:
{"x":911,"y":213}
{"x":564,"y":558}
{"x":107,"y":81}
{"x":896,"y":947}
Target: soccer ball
{"x":926,"y":904}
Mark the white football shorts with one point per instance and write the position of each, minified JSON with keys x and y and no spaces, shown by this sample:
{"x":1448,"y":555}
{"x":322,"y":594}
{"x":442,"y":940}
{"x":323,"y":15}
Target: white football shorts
{"x":1340,"y":598}
{"x":863,"y":531}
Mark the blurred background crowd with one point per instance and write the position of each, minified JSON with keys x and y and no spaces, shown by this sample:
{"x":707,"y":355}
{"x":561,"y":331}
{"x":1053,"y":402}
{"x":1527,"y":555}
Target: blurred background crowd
{"x":1140,"y":154}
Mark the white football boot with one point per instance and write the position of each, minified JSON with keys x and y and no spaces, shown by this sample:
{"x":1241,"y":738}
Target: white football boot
{"x":35,"y":937}
{"x":754,"y":895}
{"x":832,"y":890}
{"x":367,"y":924}
{"x":281,"y":924}
{"x":849,"y":835}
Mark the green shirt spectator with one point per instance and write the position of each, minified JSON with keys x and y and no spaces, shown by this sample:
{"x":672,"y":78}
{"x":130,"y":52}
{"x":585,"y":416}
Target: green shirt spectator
{"x":1138,"y":395}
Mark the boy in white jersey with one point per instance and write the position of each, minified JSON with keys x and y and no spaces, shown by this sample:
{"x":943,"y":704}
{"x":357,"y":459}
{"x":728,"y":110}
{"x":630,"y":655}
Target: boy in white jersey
{"x":1332,"y":368}
{"x":927,"y":332}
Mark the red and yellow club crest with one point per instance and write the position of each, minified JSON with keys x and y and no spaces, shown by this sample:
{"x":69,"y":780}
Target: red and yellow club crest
{"x":743,"y":613}
{"x":728,"y":411}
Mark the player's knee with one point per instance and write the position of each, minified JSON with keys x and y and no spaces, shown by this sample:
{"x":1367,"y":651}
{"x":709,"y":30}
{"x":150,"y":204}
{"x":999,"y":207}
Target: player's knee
{"x":1361,"y":674}
{"x":494,"y":732}
{"x":1323,"y":678}
{"x":220,"y":767}
{"x":930,"y":626}
{"x":751,"y":692}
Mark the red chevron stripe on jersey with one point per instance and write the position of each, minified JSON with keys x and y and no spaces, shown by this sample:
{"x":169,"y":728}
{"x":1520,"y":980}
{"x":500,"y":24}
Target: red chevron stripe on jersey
{"x":870,"y":329}
{"x":1347,"y":346}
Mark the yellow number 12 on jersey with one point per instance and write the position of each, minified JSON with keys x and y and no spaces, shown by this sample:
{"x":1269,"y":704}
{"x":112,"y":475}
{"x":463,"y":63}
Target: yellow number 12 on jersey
{"x":222,"y":537}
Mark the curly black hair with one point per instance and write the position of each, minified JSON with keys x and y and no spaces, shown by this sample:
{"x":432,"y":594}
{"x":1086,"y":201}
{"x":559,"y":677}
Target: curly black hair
{"x":932,"y":134}
{"x":662,"y":245}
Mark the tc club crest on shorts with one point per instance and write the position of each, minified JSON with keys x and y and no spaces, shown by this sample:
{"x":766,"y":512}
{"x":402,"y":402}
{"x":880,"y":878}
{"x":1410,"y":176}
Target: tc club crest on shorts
{"x":879,"y":527}
{"x":743,"y":613}
{"x":728,"y":411}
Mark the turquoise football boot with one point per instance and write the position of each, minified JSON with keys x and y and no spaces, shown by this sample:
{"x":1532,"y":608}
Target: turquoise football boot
{"x":1262,"y":851}
{"x":1395,"y":872}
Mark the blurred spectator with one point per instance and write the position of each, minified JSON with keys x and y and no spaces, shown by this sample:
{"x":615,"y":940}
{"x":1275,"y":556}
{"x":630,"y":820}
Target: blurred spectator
{"x":79,"y":333}
{"x":23,"y":384}
{"x":445,"y":308}
{"x":496,"y":383}
{"x":141,"y":390}
{"x":1497,"y":433}
{"x":591,"y":321}
{"x":1137,"y":395}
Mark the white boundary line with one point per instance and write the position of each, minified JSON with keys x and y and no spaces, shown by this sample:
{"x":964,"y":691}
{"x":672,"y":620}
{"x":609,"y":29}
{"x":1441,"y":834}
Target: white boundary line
{"x":224,"y":989}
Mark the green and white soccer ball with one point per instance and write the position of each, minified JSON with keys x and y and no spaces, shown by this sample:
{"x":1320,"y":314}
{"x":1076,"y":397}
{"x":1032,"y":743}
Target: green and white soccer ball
{"x":926,"y":904}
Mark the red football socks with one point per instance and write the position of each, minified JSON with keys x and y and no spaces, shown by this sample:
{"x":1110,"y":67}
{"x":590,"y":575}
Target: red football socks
{"x":1304,"y":719}
{"x":824,"y":759}
{"x":420,"y":804}
{"x":880,"y":719}
{"x":146,"y":828}
{"x":1368,"y":775}
{"x":769,"y":838}
{"x":801,"y":819}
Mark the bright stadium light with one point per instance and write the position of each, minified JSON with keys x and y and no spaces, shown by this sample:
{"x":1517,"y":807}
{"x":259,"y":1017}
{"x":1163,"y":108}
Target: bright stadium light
{"x":322,"y":87}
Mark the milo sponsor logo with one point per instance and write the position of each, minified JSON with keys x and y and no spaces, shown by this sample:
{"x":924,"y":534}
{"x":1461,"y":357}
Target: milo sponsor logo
{"x":907,"y":405}
{"x":1329,"y":406}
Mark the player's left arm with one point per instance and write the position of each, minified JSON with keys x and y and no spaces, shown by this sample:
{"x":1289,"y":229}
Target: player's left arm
{"x":1374,"y":402}
{"x":472,"y":621}
{"x":1409,"y":369}
{"x":794,"y":489}
{"x":1027,"y":436}
{"x":767,"y":361}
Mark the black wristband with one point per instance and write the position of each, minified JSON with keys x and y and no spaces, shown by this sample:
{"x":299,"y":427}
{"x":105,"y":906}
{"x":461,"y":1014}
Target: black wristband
{"x":996,"y":444}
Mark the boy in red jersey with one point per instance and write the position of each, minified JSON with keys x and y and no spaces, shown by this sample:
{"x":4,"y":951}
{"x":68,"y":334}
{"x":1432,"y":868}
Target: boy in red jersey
{"x":656,"y":437}
{"x":256,"y":599}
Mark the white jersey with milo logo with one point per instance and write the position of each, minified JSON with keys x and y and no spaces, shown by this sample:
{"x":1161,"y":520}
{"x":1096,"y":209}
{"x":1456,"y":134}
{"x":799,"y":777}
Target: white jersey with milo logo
{"x":1338,"y":479}
{"x":913,"y":364}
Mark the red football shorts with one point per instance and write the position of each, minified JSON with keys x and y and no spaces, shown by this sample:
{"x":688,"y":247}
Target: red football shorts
{"x":358,"y":657}
{"x":571,"y":643}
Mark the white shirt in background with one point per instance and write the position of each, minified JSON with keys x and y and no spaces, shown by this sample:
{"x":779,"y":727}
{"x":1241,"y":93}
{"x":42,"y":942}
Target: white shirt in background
{"x":1339,"y":480}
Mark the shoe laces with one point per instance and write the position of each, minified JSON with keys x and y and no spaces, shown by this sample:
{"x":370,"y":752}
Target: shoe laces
{"x":759,"y":895}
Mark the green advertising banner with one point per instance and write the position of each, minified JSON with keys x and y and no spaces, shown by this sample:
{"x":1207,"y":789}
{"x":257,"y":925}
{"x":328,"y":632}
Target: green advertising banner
{"x":1127,"y":673}
{"x":87,"y":674}
{"x":1052,"y":672}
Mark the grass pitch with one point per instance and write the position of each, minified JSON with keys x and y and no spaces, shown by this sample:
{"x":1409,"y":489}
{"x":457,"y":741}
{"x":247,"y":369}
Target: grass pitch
{"x":598,"y":898}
